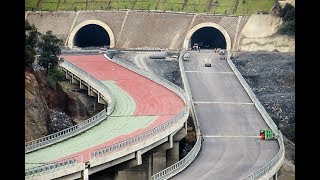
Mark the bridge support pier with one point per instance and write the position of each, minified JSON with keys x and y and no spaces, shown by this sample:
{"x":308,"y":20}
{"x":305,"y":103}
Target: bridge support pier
{"x":74,"y":80}
{"x":85,"y":174}
{"x":159,"y":161}
{"x":275,"y":176}
{"x":143,"y":171}
{"x":82,"y":86}
{"x":100,"y":99}
{"x":172,"y":155}
{"x":68,"y":76}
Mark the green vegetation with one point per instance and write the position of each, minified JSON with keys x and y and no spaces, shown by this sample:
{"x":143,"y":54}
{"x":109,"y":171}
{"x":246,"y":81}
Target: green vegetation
{"x":287,"y":13}
{"x":54,"y":76}
{"x":48,"y":48}
{"x":229,"y":7}
{"x":31,"y":40}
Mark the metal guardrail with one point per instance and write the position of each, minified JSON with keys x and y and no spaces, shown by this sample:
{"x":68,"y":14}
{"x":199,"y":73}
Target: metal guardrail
{"x":134,"y":140}
{"x":253,"y":97}
{"x":183,"y":114}
{"x":180,"y":165}
{"x":184,"y":162}
{"x":74,"y":130}
{"x":66,"y":133}
{"x":53,"y":166}
{"x":266,"y":168}
{"x":93,"y":82}
{"x":167,"y":84}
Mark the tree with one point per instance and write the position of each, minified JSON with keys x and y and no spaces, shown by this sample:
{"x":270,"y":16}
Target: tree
{"x":287,"y":13}
{"x":29,"y":55}
{"x":31,"y":35}
{"x":31,"y":41}
{"x":49,"y":49}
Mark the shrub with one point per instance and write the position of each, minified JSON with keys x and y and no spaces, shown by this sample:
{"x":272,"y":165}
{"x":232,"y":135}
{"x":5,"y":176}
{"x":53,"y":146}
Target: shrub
{"x":288,"y":28}
{"x":56,"y":74}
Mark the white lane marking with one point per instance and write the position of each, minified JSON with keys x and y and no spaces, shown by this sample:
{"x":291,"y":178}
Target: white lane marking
{"x":211,"y":136}
{"x":204,"y":102}
{"x":209,"y":72}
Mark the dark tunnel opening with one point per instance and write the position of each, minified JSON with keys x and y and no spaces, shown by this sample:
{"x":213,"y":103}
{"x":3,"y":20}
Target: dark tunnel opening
{"x":91,"y":35}
{"x":208,"y":38}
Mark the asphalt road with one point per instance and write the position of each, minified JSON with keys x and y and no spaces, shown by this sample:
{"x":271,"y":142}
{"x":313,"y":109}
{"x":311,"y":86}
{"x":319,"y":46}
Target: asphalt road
{"x":229,"y":122}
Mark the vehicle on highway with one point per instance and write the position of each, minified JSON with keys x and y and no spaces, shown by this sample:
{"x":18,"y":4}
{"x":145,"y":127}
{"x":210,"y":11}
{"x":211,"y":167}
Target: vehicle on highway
{"x":222,"y":52}
{"x":195,"y":46}
{"x":222,"y":57}
{"x":174,"y":57}
{"x":207,"y":63}
{"x":157,"y":57}
{"x":186,"y":57}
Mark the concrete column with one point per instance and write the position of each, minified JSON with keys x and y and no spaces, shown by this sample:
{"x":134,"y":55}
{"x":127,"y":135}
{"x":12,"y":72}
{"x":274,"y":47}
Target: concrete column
{"x":275,"y":176}
{"x":74,"y":80}
{"x":93,"y":93}
{"x":67,"y":75}
{"x":100,"y":99}
{"x":89,"y":90}
{"x":85,"y":175}
{"x":94,"y":104}
{"x":81,"y":85}
{"x":141,"y":172}
{"x":150,"y":166}
{"x":159,"y":161}
{"x":173,"y":154}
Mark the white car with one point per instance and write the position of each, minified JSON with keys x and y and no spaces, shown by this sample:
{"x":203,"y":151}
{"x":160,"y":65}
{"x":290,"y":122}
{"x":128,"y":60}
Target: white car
{"x":186,"y":57}
{"x":207,"y":63}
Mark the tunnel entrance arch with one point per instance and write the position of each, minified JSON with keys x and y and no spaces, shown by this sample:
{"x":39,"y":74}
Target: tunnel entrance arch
{"x":219,"y":37}
{"x":96,"y":28}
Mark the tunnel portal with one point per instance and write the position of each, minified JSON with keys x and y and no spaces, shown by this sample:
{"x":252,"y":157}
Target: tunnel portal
{"x":91,"y":35}
{"x":208,"y":38}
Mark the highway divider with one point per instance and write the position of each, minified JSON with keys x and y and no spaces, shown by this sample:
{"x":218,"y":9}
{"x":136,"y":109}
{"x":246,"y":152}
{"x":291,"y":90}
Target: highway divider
{"x":188,"y":159}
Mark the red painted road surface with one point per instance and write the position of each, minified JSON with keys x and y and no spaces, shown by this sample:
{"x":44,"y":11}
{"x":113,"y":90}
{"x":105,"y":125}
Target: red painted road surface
{"x":150,"y":97}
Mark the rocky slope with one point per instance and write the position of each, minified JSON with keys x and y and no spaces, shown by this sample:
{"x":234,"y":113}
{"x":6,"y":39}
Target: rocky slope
{"x":36,"y":109}
{"x":48,"y":110}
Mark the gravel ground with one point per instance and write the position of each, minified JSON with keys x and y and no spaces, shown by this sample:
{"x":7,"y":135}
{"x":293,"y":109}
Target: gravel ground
{"x":271,"y":76}
{"x":167,"y":69}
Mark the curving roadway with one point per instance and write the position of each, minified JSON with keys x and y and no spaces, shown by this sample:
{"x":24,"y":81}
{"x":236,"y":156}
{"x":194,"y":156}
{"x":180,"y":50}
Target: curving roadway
{"x":141,"y":105}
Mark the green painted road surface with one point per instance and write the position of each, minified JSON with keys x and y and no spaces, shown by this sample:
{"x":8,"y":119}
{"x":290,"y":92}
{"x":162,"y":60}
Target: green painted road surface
{"x":120,"y":122}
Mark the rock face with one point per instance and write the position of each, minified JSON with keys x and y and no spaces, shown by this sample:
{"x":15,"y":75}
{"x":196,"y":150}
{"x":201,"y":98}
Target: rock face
{"x":260,"y":34}
{"x":48,"y":110}
{"x":36,"y":109}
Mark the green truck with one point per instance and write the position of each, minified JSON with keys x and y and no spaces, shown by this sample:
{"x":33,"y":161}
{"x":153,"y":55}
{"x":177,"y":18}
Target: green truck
{"x":267,"y":134}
